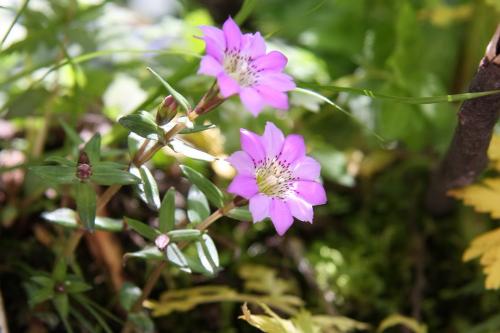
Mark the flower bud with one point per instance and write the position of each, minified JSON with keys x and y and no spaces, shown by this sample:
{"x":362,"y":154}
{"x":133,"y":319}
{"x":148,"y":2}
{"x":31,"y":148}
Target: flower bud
{"x":166,"y":111}
{"x":83,"y":169}
{"x":162,"y":241}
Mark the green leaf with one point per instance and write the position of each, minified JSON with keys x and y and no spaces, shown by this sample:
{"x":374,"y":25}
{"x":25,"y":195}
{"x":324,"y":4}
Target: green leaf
{"x":74,"y":284}
{"x":207,"y":253}
{"x":198,"y":209}
{"x":397,"y":319}
{"x":212,"y":192}
{"x":55,"y":174}
{"x":197,"y":128}
{"x":148,"y":253}
{"x":129,"y":294}
{"x":93,"y":149}
{"x":37,"y":295}
{"x":70,"y":133}
{"x":150,"y":188}
{"x":240,"y":214}
{"x":184,"y":235}
{"x":176,"y":257}
{"x":142,"y":322}
{"x":141,"y":123}
{"x":245,"y":11}
{"x":42,"y":280}
{"x":86,"y":204}
{"x":61,"y":161}
{"x":178,"y":97}
{"x":167,"y":211}
{"x":142,"y":228}
{"x":104,"y":174}
{"x":61,"y":302}
{"x":181,"y":147}
{"x":66,"y":217}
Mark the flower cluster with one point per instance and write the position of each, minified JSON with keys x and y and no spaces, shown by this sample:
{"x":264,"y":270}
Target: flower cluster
{"x":242,"y":66}
{"x":274,"y":173}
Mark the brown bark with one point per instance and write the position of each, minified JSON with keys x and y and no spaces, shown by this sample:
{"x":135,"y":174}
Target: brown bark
{"x":467,"y":156}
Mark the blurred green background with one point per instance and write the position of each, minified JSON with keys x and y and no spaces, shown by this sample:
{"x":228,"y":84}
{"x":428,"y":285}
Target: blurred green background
{"x":372,"y":251}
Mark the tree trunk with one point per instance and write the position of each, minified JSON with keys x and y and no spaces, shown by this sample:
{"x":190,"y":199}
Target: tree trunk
{"x":467,"y":156}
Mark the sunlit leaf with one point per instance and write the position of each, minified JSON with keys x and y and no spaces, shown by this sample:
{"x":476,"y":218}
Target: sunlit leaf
{"x":487,"y":246}
{"x":198,"y":209}
{"x":148,"y":253}
{"x":184,"y":235}
{"x":397,"y":319}
{"x":483,"y":197}
{"x":147,"y":189}
{"x":181,"y":147}
{"x":176,"y":257}
{"x":141,"y":123}
{"x":66,"y":217}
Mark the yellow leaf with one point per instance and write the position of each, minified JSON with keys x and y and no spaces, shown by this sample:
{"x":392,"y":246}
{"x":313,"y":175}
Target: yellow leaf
{"x":264,"y":279}
{"x":443,"y":15}
{"x":270,"y":323}
{"x":397,"y":319}
{"x":484,"y":197}
{"x":487,"y":246}
{"x":494,"y":151}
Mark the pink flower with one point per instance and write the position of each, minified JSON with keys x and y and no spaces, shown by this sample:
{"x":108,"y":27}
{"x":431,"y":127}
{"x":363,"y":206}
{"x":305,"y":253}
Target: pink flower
{"x":241,"y":66}
{"x":277,"y":177}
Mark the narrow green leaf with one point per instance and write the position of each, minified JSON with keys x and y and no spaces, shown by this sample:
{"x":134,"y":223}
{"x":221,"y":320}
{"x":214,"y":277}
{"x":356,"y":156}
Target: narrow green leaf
{"x":178,"y":97}
{"x":141,"y":123}
{"x":212,"y":192}
{"x":245,"y":11}
{"x":167,"y":211}
{"x":142,"y":228}
{"x":70,"y":133}
{"x":93,"y":149}
{"x":111,"y":164}
{"x":86,"y":204}
{"x":61,"y":302}
{"x":61,"y":161}
{"x":74,"y":284}
{"x":129,"y":294}
{"x":207,"y":253}
{"x":43,"y":281}
{"x":181,"y":147}
{"x":197,"y":128}
{"x":55,"y":174}
{"x":90,"y":308}
{"x":240,"y":213}
{"x":198,"y":209}
{"x":106,"y":175}
{"x":176,"y":257}
{"x":184,"y":235}
{"x":38,"y":295}
{"x":148,"y":253}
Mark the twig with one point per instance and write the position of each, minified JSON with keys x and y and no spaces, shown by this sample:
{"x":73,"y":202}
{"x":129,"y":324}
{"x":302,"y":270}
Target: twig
{"x":3,"y":318}
{"x":467,"y":156}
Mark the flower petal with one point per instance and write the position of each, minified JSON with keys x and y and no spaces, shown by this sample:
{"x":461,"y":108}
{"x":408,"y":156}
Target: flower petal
{"x":306,"y":168}
{"x":272,"y":140}
{"x":227,"y":85}
{"x":243,"y":163}
{"x":251,"y":144}
{"x":259,"y":207}
{"x":233,"y":34}
{"x":215,"y":34}
{"x":244,"y":186}
{"x":273,"y":97}
{"x":280,"y":216}
{"x":212,"y":49}
{"x":210,"y":66}
{"x":252,"y":100}
{"x":274,"y":60}
{"x":312,"y":192}
{"x":300,"y":208}
{"x":278,"y":81}
{"x":293,"y":148}
{"x":256,"y":46}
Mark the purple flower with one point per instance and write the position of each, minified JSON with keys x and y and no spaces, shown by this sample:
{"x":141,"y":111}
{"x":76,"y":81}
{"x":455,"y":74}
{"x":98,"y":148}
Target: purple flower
{"x":241,"y":66}
{"x":277,"y":177}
